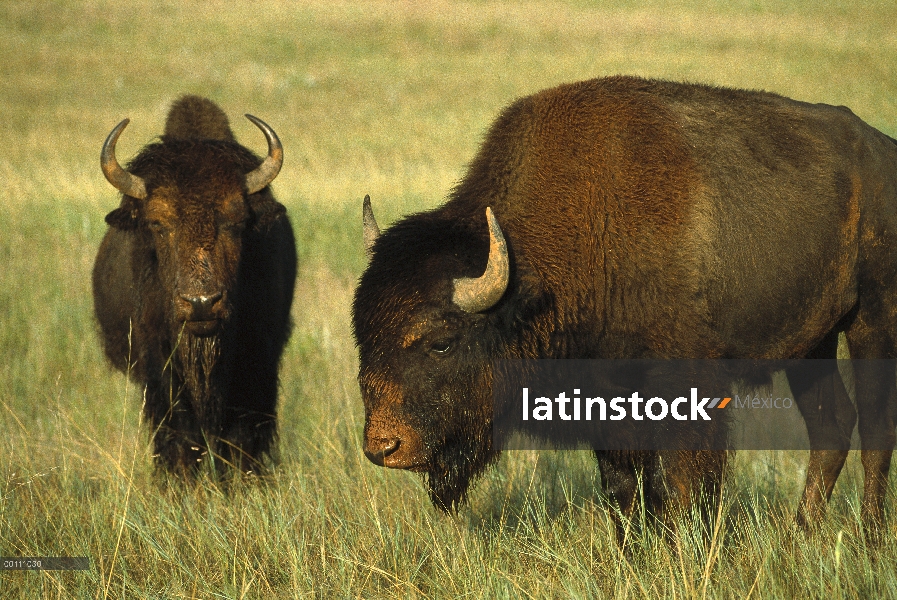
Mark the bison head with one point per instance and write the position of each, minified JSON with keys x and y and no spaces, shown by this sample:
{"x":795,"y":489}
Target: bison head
{"x":192,"y":202}
{"x":426,"y":332}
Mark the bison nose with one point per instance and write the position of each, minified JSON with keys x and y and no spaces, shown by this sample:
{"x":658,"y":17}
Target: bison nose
{"x":379,"y":448}
{"x":201,"y":306}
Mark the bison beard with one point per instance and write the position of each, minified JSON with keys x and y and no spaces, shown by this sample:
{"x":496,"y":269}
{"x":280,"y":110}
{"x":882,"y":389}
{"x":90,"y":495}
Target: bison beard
{"x":450,"y":474}
{"x":456,"y":461}
{"x":198,"y":358}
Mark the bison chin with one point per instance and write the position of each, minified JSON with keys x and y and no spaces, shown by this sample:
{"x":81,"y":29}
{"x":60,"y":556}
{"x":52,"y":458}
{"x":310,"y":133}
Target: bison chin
{"x":455,"y":464}
{"x":203,"y":328}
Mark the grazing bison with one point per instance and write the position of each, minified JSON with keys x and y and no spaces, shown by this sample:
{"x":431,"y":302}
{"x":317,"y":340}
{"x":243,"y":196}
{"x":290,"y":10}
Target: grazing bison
{"x":630,"y":218}
{"x":193,"y":285}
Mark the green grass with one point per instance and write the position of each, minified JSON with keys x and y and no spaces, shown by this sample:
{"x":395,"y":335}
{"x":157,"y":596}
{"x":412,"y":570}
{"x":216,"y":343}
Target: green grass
{"x":389,"y":99}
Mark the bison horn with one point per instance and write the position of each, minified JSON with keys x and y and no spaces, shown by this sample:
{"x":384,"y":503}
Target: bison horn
{"x":476,"y":294}
{"x":130,"y":185}
{"x":371,"y":230}
{"x":265,"y":173}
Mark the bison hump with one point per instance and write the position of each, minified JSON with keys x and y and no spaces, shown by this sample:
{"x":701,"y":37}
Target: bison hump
{"x":194,"y":117}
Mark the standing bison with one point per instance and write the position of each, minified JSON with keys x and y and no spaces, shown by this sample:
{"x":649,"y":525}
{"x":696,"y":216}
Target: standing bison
{"x":629,"y":218}
{"x":193,"y":285}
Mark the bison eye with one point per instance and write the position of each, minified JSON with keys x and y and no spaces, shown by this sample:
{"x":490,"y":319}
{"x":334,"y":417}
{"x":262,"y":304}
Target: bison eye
{"x":441,"y":347}
{"x":156,"y":227}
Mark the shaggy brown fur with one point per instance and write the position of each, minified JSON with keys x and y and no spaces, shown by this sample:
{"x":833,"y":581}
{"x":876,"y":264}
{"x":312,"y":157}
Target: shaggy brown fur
{"x":210,"y":371}
{"x":644,"y":219}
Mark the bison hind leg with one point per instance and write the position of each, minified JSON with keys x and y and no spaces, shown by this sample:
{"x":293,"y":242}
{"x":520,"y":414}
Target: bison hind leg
{"x":829,"y":416}
{"x":872,"y":339}
{"x":876,"y":393}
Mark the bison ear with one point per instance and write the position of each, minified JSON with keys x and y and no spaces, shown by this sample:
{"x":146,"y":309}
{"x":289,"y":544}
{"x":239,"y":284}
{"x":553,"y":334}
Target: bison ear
{"x":124,"y":217}
{"x":266,"y":210}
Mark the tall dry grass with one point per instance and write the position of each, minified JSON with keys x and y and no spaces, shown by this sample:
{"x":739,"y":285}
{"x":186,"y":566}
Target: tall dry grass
{"x":389,"y":99}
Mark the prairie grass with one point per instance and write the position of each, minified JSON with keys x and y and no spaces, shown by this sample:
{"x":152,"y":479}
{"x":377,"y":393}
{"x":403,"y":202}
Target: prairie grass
{"x":391,"y":99}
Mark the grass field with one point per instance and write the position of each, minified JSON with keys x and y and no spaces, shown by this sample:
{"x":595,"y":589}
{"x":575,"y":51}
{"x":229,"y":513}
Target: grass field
{"x":391,"y":99}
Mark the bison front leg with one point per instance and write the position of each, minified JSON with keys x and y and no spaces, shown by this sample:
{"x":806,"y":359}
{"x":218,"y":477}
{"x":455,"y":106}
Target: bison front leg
{"x":669,"y":483}
{"x":250,"y":424}
{"x":178,"y":445}
{"x":620,"y":479}
{"x":250,"y":439}
{"x":685,"y":480}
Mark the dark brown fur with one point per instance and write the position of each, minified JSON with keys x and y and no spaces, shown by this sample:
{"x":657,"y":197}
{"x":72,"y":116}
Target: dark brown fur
{"x":644,"y":219}
{"x":198,"y":232}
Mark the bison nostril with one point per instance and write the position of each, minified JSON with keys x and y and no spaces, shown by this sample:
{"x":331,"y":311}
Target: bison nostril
{"x":378,"y":449}
{"x":389,"y":446}
{"x":202,"y":305}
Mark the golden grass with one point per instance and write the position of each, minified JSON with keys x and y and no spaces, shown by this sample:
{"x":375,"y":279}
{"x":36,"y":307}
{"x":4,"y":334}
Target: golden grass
{"x":391,"y":99}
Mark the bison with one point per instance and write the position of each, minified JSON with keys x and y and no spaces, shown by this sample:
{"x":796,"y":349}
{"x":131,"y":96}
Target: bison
{"x":192,"y":288}
{"x":631,"y":218}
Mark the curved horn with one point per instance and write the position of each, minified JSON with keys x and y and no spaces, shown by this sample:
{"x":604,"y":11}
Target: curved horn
{"x":130,"y":185}
{"x":476,"y":294}
{"x":371,"y":230}
{"x":257,"y":179}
